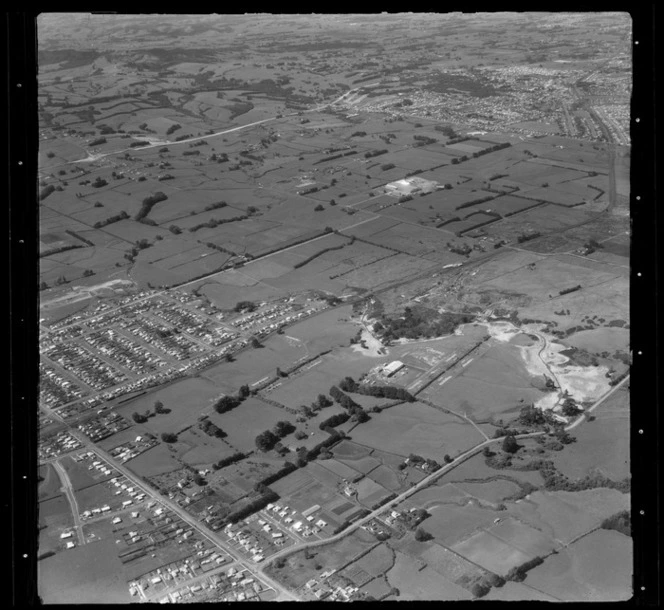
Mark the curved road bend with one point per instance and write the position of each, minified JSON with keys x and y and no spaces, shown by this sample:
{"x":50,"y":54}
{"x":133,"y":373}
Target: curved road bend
{"x":423,"y":483}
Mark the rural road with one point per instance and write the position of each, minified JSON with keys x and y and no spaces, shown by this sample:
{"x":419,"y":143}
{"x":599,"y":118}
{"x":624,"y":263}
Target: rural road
{"x":91,"y":158}
{"x":423,"y":483}
{"x":597,"y":403}
{"x":67,"y":488}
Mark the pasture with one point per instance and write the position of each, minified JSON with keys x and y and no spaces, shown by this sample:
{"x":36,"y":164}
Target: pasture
{"x":566,"y":515}
{"x":491,"y":553}
{"x":92,"y":572}
{"x":601,"y":445}
{"x":254,"y":364}
{"x":417,"y":582}
{"x":249,"y":419}
{"x":417,"y":428}
{"x":50,"y":486}
{"x":186,"y":399}
{"x":597,"y":568}
{"x":491,"y":385}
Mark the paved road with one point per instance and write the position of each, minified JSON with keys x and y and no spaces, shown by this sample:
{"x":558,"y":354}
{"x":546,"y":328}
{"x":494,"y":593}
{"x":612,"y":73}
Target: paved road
{"x":184,"y":515}
{"x":598,"y":403}
{"x":423,"y":483}
{"x":67,"y":488}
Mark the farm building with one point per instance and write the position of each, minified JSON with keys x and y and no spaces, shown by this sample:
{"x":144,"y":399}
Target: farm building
{"x":393,"y":367}
{"x":408,"y":186}
{"x":310,"y":510}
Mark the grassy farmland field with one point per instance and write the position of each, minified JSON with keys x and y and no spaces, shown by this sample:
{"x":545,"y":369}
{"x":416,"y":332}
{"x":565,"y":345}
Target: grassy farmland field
{"x":417,"y":428}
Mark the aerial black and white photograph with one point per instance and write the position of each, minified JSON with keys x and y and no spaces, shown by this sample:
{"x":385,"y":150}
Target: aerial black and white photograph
{"x":334,"y":307}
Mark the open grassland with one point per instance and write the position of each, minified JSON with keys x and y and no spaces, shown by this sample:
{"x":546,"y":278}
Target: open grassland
{"x":50,"y":486}
{"x":158,"y":460}
{"x":600,"y":340}
{"x":80,"y":476}
{"x":515,"y":591}
{"x":531,"y":541}
{"x":601,"y":445}
{"x":92,"y":573}
{"x":490,"y":491}
{"x":325,"y":331}
{"x":248,"y":420}
{"x":417,"y":428}
{"x":565,"y":515}
{"x":596,"y":568}
{"x":416,"y":581}
{"x":255,"y":364}
{"x":204,"y":450}
{"x":490,"y":386}
{"x":450,"y":523}
{"x":55,"y":513}
{"x":490,"y":552}
{"x":186,"y":400}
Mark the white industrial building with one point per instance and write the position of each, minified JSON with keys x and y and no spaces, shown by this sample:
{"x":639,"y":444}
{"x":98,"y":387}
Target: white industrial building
{"x":392,"y":368}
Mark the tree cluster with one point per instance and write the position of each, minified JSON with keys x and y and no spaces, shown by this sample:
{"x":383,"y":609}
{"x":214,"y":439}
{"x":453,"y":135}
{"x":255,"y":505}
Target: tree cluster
{"x":348,"y":384}
{"x":226,"y":403}
{"x":211,"y":429}
{"x":148,"y":203}
{"x":169,"y":437}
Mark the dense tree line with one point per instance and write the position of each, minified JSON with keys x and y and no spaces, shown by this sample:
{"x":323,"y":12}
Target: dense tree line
{"x":215,"y":222}
{"x":227,"y":461}
{"x":524,"y":237}
{"x":148,"y":203}
{"x":266,"y":498}
{"x":568,"y":290}
{"x":317,"y":254}
{"x":375,"y":153}
{"x":335,"y":420}
{"x":111,"y":219}
{"x":518,"y":573}
{"x":343,"y":399}
{"x":211,"y":429}
{"x":46,"y":191}
{"x":348,"y":384}
{"x":620,"y":522}
{"x":287,"y":468}
{"x":77,"y":236}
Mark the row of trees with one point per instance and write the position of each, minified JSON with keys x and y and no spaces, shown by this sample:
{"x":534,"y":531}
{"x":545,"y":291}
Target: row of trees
{"x":227,"y":461}
{"x":215,"y":222}
{"x":348,"y":384}
{"x":111,"y":219}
